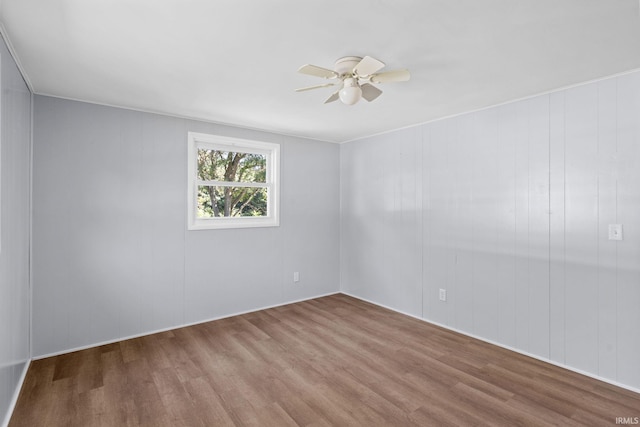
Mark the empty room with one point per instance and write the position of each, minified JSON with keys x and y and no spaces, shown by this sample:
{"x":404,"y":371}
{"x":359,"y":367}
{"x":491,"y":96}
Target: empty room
{"x":288,"y":213}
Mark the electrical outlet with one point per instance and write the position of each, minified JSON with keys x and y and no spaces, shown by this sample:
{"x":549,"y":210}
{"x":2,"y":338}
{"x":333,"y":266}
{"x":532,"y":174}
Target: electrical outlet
{"x":296,"y":276}
{"x":443,"y":294}
{"x":615,"y":231}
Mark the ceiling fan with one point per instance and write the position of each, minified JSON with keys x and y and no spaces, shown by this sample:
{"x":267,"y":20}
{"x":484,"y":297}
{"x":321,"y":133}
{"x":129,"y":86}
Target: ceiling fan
{"x":354,"y":75}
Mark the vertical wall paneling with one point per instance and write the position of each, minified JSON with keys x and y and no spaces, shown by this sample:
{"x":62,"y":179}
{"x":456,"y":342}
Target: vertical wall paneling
{"x":461,"y":131}
{"x":229,"y":271}
{"x":95,"y":192}
{"x":522,"y":210}
{"x":557,"y":253}
{"x":15,"y":184}
{"x":111,"y":254}
{"x":538,"y":227}
{"x":358,"y":220}
{"x":450,"y":225}
{"x":404,"y":244}
{"x":163,"y":243}
{"x":628,"y":214}
{"x":505,"y":199}
{"x":349,"y":259}
{"x":304,"y":248}
{"x":484,"y":148}
{"x":386,"y":188}
{"x":436,"y":219}
{"x":516,"y":203}
{"x":425,"y":138}
{"x":57,"y":262}
{"x":607,"y":214}
{"x":581,"y":227}
{"x":380,"y":198}
{"x":134,"y":313}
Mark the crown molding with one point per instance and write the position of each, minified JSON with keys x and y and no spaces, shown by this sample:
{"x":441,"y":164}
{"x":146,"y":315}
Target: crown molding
{"x":14,"y":55}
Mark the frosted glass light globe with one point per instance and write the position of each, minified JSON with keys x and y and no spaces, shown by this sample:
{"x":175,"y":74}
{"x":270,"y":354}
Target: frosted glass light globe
{"x":350,"y":92}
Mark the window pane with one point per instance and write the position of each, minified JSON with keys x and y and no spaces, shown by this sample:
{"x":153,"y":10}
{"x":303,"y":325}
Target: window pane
{"x":229,"y":166}
{"x":215,"y":201}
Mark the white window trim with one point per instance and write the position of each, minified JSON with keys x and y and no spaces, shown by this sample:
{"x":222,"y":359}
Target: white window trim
{"x":272,"y":151}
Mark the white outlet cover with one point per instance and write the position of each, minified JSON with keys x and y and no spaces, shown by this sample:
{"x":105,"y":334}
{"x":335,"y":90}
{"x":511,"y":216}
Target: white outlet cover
{"x":615,"y":231}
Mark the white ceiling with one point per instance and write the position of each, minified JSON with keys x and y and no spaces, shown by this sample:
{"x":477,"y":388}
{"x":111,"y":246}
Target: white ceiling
{"x":235,"y":61}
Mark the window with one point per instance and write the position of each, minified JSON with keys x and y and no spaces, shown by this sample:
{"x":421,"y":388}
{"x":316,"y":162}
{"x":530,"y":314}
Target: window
{"x":233,"y":183}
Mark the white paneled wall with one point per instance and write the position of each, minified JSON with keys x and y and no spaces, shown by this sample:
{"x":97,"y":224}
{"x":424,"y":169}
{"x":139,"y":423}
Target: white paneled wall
{"x":15,"y":184}
{"x":381,"y":235}
{"x":507,"y":209}
{"x":112,"y":256}
{"x":625,"y":295}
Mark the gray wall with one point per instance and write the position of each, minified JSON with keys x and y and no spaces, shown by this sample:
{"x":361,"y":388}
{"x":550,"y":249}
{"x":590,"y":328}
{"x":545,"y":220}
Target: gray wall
{"x":507,"y":209}
{"x":112,"y":256}
{"x":15,"y":185}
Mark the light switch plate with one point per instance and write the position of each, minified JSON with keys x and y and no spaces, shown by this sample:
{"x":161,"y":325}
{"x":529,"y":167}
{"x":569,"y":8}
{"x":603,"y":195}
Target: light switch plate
{"x":615,"y":231}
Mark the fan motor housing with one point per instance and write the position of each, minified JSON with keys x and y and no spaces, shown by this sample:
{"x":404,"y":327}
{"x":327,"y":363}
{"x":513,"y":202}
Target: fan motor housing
{"x":346,"y":64}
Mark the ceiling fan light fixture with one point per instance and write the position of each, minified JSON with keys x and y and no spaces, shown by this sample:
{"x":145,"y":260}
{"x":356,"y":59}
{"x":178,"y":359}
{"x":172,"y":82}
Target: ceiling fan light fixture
{"x":355,"y":76}
{"x":350,"y":92}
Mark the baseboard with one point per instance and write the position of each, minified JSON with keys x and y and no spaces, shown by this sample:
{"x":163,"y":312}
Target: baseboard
{"x":171,"y":328}
{"x":515,"y":350}
{"x":16,"y":394}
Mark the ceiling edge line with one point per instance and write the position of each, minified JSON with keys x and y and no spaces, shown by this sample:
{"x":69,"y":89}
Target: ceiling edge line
{"x":14,"y":55}
{"x":499,"y":104}
{"x":184,"y":117}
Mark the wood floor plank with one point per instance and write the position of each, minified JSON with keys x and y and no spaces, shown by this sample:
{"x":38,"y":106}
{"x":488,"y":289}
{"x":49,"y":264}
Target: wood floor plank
{"x":548,"y":415}
{"x":298,"y":410}
{"x":203,"y":395}
{"x":332,"y":361}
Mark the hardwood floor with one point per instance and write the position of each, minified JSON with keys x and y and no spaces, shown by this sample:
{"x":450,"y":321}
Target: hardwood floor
{"x":332,"y":361}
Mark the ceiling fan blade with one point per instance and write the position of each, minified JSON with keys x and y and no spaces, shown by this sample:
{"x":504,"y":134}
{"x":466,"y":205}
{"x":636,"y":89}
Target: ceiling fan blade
{"x":368,"y":66}
{"x":370,"y":92}
{"x":314,"y":70}
{"x":302,"y":89}
{"x":391,"y":76}
{"x":334,"y":97}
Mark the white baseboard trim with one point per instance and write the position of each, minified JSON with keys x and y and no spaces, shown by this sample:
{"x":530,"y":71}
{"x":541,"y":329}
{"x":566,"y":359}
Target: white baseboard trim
{"x":16,"y":394}
{"x":516,"y":350}
{"x":171,"y":328}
